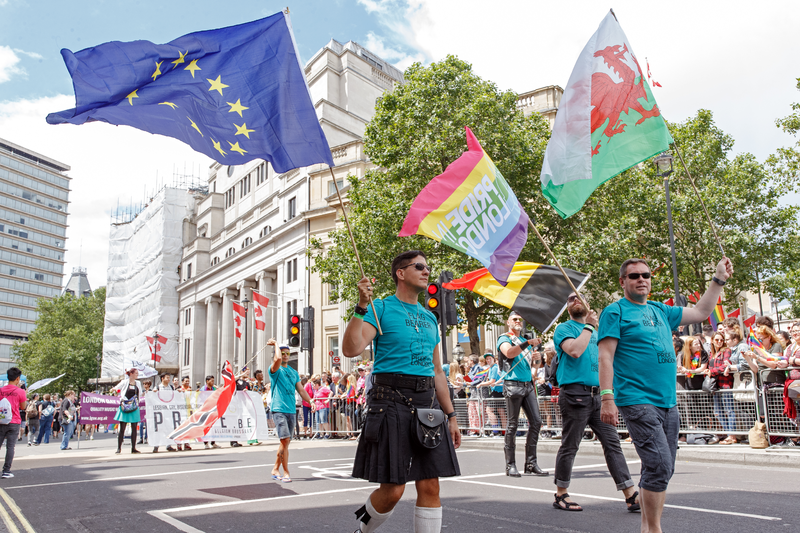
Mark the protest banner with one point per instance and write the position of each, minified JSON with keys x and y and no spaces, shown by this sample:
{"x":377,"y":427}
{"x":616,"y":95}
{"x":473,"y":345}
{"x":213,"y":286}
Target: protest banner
{"x":100,"y":408}
{"x":244,"y":419}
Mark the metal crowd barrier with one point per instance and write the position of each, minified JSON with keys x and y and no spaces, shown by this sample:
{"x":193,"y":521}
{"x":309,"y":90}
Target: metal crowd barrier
{"x":344,"y":420}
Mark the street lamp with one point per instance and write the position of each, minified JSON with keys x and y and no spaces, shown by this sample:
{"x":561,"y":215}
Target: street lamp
{"x":775,"y":303}
{"x":663,"y":164}
{"x":245,"y":302}
{"x":99,"y":358}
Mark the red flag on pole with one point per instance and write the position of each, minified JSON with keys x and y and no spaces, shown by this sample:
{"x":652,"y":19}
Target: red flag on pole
{"x":734,"y":314}
{"x":260,"y":303}
{"x":750,"y":321}
{"x":199,"y":424}
{"x":155,"y":346}
{"x":238,"y":319}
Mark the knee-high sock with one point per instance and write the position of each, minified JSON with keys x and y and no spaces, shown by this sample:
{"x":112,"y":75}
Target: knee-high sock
{"x":369,"y":518}
{"x":427,"y":519}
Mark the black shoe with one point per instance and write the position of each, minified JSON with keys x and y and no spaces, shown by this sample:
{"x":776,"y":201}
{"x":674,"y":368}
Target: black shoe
{"x":135,"y":451}
{"x":140,"y":441}
{"x":511,"y":470}
{"x":118,"y":451}
{"x":534,"y":470}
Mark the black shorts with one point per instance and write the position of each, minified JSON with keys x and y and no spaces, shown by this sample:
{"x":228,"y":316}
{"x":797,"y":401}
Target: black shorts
{"x":386,"y":452}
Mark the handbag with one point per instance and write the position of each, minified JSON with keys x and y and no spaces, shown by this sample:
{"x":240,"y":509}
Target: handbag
{"x":129,"y":405}
{"x":710,"y":385}
{"x":758,"y":436}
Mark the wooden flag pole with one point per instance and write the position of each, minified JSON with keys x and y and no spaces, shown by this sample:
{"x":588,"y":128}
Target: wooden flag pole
{"x":355,"y":249}
{"x":530,"y":223}
{"x":710,"y":223}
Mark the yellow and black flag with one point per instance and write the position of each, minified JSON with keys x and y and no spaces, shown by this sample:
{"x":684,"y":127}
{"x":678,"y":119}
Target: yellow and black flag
{"x":537,"y":292}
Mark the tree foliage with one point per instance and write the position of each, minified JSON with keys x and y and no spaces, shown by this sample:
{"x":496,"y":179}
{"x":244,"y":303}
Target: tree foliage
{"x":67,"y":339}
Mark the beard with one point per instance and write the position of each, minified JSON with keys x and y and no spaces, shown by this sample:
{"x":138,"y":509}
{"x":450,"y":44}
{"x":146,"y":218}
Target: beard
{"x":578,"y":313}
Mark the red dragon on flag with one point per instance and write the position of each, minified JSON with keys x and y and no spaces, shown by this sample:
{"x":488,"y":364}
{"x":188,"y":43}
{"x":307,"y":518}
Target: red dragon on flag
{"x":199,"y":424}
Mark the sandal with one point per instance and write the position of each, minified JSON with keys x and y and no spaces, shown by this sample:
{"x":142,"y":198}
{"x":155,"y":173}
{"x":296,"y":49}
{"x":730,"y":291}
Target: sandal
{"x":633,"y":505}
{"x":286,"y":479}
{"x":568,"y":506}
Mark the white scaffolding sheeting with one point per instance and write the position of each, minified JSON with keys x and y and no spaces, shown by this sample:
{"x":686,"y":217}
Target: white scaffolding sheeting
{"x":141,"y":296}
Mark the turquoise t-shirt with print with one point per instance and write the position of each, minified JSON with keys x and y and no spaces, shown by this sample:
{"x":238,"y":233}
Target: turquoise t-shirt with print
{"x":283,"y":389}
{"x":410,"y":334}
{"x":520,"y":368}
{"x":644,"y":363}
{"x":494,"y":373}
{"x":584,"y":369}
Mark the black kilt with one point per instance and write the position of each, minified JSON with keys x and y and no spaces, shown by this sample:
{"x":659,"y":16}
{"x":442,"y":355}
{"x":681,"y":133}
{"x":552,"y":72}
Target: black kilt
{"x":387,"y":451}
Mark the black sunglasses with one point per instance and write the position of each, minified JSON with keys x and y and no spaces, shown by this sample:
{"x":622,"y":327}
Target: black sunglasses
{"x":636,"y":275}
{"x":418,"y":266}
{"x":572,"y":298}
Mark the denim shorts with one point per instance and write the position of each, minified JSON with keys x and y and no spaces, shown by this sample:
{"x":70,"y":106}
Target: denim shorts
{"x":322,"y":415}
{"x":654,"y":431}
{"x":284,"y":424}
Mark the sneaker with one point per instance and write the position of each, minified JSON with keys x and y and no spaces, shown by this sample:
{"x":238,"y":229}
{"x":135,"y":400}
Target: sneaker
{"x":171,"y":449}
{"x":187,"y":447}
{"x":91,"y":438}
{"x":215,"y":445}
{"x":207,"y":446}
{"x":7,"y":475}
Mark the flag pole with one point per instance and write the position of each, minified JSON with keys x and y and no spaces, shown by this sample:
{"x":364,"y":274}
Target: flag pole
{"x":355,"y":249}
{"x":530,"y":223}
{"x":710,"y":223}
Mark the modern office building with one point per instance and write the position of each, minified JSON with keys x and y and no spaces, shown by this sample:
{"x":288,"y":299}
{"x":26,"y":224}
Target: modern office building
{"x":34,"y":195}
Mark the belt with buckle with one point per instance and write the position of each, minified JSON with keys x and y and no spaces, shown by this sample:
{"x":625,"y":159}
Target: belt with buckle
{"x":594,"y":391}
{"x":402,"y":381}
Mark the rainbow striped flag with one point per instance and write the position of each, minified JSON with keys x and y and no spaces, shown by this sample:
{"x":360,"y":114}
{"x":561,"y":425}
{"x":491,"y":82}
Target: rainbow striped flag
{"x":471,"y":208}
{"x":757,"y":347}
{"x":718,"y":315}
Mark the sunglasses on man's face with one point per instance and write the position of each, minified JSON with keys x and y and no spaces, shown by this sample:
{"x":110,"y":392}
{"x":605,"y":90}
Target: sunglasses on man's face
{"x":636,"y":275}
{"x":418,"y":266}
{"x":572,"y":298}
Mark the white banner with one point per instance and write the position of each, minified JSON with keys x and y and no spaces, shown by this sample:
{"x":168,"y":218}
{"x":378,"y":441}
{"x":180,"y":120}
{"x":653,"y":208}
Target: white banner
{"x":43,"y":382}
{"x":145,"y":370}
{"x":245,"y":418}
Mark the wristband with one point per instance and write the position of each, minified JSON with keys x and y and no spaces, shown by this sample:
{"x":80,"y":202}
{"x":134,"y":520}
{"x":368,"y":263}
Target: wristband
{"x":451,"y":415}
{"x":589,"y":327}
{"x":360,"y":310}
{"x":356,"y":315}
{"x":718,"y":281}
{"x":606,"y":391}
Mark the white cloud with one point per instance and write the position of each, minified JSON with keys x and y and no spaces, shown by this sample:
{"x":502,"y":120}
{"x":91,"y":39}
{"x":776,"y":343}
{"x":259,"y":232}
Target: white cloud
{"x":8,"y":64}
{"x":33,"y":55}
{"x":110,"y":164}
{"x":375,"y":6}
{"x":400,"y":59}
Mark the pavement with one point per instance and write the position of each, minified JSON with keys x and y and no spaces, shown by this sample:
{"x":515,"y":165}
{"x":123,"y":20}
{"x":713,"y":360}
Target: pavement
{"x":90,"y":489}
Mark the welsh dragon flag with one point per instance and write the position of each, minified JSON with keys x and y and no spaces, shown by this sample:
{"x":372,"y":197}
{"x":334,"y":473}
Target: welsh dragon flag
{"x":608,"y":121}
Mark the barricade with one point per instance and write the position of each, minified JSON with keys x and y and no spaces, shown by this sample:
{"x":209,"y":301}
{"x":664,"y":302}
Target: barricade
{"x":341,"y":419}
{"x":778,"y":424}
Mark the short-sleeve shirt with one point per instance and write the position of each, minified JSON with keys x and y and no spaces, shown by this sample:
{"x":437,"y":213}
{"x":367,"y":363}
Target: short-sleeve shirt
{"x":410,"y":334}
{"x":16,"y":397}
{"x":584,"y":369}
{"x":283,"y":381}
{"x":644,"y":363}
{"x":520,"y":365}
{"x":321,"y":396}
{"x":494,"y":373}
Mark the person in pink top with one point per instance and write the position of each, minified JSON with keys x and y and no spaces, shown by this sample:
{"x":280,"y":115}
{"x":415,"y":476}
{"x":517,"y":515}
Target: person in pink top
{"x":9,"y":432}
{"x":309,"y":388}
{"x":321,"y":396}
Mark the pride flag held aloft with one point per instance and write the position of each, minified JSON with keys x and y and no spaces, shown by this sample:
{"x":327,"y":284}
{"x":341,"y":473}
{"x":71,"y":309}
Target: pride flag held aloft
{"x":537,"y":292}
{"x":607,"y":122}
{"x":471,"y":208}
{"x":717,"y":315}
{"x":234,"y":94}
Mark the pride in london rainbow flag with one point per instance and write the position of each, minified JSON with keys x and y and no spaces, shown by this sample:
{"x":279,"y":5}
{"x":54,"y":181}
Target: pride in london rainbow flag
{"x":756,"y":346}
{"x":717,"y":315}
{"x":471,"y":208}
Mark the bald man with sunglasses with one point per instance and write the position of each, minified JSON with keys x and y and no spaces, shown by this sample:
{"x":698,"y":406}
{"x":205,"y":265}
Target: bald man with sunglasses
{"x":637,"y":375}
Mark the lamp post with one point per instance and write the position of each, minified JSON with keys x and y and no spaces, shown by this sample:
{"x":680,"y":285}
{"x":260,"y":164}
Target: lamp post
{"x":775,"y":303}
{"x":245,"y":303}
{"x":663,"y":164}
{"x":99,"y":358}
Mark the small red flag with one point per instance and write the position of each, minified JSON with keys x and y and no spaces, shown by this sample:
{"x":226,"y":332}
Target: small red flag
{"x":750,"y":321}
{"x":734,"y":314}
{"x":238,"y":315}
{"x":260,"y":303}
{"x":670,"y":302}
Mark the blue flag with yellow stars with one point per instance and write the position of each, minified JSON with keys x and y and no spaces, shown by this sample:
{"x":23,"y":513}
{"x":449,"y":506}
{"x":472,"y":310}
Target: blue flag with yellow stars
{"x":234,"y":94}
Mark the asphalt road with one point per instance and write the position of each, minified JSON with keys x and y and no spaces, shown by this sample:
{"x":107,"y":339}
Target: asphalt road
{"x":93,"y":490}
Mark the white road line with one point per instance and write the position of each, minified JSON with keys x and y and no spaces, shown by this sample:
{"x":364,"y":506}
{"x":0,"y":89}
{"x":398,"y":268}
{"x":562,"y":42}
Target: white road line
{"x":162,"y":474}
{"x":478,"y":476}
{"x":186,"y":528}
{"x":592,"y":496}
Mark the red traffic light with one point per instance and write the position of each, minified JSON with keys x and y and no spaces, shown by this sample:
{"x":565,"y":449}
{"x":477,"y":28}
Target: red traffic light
{"x":295,"y":319}
{"x":433,"y":288}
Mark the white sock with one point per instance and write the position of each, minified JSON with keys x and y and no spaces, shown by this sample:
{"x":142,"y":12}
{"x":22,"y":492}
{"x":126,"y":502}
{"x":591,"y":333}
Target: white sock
{"x":427,"y":519}
{"x":373,"y":518}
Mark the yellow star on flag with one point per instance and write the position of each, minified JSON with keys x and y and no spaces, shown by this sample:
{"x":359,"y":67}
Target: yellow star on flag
{"x":195,"y":127}
{"x":191,"y":67}
{"x":180,"y":59}
{"x":237,"y":107}
{"x":237,"y":148}
{"x":131,"y":96}
{"x":216,"y":85}
{"x":218,"y":148}
{"x":242,"y":130}
{"x":173,"y":106}
{"x":157,"y":73}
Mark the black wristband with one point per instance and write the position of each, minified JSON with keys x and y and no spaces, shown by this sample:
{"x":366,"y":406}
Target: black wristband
{"x":718,"y":281}
{"x":360,"y":310}
{"x":451,"y":415}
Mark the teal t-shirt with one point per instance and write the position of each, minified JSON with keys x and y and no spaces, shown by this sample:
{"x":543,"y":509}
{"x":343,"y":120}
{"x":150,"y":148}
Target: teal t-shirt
{"x":494,"y":373}
{"x":584,"y":369}
{"x":283,"y":389}
{"x":410,"y":333}
{"x":521,"y":371}
{"x":644,"y":363}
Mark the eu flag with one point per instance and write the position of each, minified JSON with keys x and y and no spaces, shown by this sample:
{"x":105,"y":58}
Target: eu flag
{"x":234,"y":94}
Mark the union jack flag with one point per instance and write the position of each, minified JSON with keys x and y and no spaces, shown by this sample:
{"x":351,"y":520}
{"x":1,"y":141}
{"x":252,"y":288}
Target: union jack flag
{"x":199,"y":424}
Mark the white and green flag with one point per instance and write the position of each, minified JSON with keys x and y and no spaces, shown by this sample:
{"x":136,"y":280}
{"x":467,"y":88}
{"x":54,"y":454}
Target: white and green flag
{"x":607,"y":122}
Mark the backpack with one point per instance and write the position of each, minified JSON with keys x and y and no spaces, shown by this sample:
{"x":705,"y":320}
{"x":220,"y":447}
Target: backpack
{"x":5,"y":411}
{"x":32,"y":410}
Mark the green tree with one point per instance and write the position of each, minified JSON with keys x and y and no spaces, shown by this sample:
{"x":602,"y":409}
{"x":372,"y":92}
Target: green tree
{"x":67,"y":339}
{"x":417,"y":131}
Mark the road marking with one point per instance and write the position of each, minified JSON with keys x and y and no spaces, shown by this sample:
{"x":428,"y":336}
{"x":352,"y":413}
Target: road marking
{"x":16,"y":510}
{"x":592,"y":496}
{"x":162,"y":474}
{"x":478,"y":476}
{"x":10,"y":525}
{"x":182,"y":526}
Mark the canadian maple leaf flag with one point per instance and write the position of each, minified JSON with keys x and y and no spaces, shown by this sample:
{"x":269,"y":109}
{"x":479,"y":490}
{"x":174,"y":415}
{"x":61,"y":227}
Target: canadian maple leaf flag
{"x":155,"y":345}
{"x":238,"y":319}
{"x":608,"y":121}
{"x":199,"y":424}
{"x":260,"y":303}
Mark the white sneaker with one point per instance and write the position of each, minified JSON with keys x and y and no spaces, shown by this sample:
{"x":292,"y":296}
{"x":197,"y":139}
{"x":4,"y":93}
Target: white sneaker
{"x":207,"y":447}
{"x":91,"y":438}
{"x":7,"y":475}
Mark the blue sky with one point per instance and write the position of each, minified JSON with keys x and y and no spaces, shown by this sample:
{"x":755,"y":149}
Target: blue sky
{"x":740,"y":62}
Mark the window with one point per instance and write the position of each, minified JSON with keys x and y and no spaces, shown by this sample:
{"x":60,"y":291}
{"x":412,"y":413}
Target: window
{"x":230,"y":171}
{"x":38,"y":277}
{"x":261,"y":173}
{"x":215,"y":261}
{"x":187,"y":316}
{"x":333,"y":345}
{"x":187,"y":346}
{"x":230,"y":252}
{"x":264,"y":232}
{"x":230,"y":197}
{"x":189,"y":271}
{"x":247,"y":242}
{"x":292,"y":208}
{"x":332,"y":187}
{"x":292,"y":307}
{"x":330,"y":290}
{"x":291,"y":270}
{"x":244,"y":186}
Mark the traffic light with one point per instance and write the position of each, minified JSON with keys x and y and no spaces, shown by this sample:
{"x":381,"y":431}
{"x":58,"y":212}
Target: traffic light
{"x":307,"y":337}
{"x":448,"y":299}
{"x":294,"y":330}
{"x":433,"y":299}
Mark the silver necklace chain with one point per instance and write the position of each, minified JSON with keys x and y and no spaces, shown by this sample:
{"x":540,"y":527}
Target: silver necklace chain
{"x":416,"y":327}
